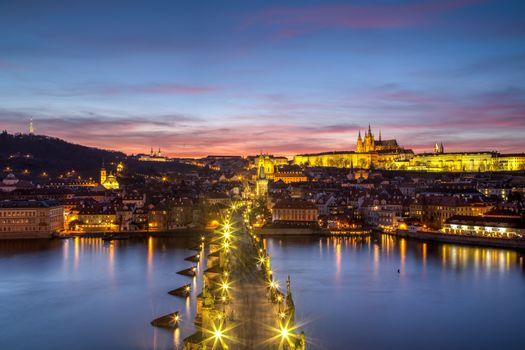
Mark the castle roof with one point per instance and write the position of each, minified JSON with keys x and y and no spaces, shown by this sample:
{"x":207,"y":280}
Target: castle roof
{"x":392,"y":143}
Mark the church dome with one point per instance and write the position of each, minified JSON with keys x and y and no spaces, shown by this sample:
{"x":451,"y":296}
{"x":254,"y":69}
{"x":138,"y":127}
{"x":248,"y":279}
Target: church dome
{"x":10,"y":179}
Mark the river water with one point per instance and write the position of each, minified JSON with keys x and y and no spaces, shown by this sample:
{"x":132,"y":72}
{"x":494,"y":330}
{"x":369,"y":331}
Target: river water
{"x":348,"y":292}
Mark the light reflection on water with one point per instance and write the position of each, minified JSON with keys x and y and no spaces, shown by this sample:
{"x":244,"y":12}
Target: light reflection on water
{"x":352,"y":296}
{"x":86,"y":293}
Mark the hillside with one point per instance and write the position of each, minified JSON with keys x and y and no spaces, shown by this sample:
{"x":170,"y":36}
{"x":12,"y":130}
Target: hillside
{"x":38,"y":153}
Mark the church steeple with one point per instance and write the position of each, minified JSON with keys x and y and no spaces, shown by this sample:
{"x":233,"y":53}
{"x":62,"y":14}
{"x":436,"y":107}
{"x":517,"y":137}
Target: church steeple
{"x":359,"y":146}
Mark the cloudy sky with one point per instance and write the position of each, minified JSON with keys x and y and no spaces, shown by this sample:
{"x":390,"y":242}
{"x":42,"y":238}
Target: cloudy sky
{"x":286,"y":77}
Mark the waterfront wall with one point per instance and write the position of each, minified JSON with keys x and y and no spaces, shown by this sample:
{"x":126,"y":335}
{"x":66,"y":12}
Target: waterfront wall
{"x":285,"y":231}
{"x":24,"y":235}
{"x":461,"y":239}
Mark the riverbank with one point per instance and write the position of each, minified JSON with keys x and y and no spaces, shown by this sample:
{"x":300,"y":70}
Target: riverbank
{"x":433,"y":236}
{"x":307,"y":231}
{"x":134,"y":234}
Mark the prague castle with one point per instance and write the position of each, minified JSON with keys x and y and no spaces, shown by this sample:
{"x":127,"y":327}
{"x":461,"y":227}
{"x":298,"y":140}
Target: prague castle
{"x":388,"y":155}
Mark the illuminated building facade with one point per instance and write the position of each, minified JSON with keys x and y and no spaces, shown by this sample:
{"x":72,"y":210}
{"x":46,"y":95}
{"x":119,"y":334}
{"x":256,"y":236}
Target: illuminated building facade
{"x":30,"y":218}
{"x":290,"y":177}
{"x":435,"y":210}
{"x":96,"y":220}
{"x":485,"y":226}
{"x":109,"y":181}
{"x":153,"y":157}
{"x":261,"y":189}
{"x":294,"y":211}
{"x":388,"y":155}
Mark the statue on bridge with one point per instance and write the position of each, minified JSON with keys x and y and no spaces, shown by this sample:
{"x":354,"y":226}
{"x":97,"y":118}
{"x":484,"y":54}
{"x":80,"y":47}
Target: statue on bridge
{"x":207,"y":298}
{"x":290,"y":307}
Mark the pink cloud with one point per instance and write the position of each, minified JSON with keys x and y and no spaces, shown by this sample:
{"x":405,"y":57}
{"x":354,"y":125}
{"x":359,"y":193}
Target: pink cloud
{"x":292,"y":21}
{"x":166,"y":89}
{"x":7,"y":66}
{"x":135,"y":89}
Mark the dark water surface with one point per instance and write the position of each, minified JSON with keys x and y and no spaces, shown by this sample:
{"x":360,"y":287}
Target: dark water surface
{"x":88,"y":294}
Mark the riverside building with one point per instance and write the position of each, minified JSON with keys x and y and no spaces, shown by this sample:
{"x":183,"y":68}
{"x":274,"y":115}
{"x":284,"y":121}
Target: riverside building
{"x":30,"y":218}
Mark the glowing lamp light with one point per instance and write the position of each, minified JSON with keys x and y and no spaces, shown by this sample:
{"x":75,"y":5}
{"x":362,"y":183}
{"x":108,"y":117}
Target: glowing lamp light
{"x":175,"y":319}
{"x":217,"y":334}
{"x":285,"y":333}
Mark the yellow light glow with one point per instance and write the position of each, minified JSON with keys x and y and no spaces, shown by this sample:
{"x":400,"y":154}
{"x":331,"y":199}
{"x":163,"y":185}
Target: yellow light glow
{"x":285,"y":333}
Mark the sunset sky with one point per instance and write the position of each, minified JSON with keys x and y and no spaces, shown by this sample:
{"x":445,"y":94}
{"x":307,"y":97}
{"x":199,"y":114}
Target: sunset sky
{"x":284,"y":77}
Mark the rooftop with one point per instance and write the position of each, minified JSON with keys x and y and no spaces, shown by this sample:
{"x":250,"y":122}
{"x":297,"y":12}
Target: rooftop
{"x":29,"y":204}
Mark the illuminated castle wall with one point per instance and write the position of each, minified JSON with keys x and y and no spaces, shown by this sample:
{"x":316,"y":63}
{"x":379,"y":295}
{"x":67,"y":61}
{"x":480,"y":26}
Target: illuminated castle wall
{"x":379,"y":154}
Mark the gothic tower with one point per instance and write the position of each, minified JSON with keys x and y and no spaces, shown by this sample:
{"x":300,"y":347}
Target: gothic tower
{"x":103,"y":174}
{"x":359,"y":147}
{"x":369,"y":144}
{"x":261,"y":182}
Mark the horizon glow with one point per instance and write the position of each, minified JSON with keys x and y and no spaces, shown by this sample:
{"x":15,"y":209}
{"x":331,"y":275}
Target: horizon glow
{"x":283,"y":77}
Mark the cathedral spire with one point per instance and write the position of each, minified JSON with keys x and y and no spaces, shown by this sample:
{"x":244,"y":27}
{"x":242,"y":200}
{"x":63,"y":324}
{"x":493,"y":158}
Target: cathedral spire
{"x":379,"y":135}
{"x":369,"y":130}
{"x":31,"y":128}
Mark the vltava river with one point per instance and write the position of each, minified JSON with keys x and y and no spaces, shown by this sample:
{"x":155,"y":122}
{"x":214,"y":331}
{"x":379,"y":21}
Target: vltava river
{"x":88,"y":294}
